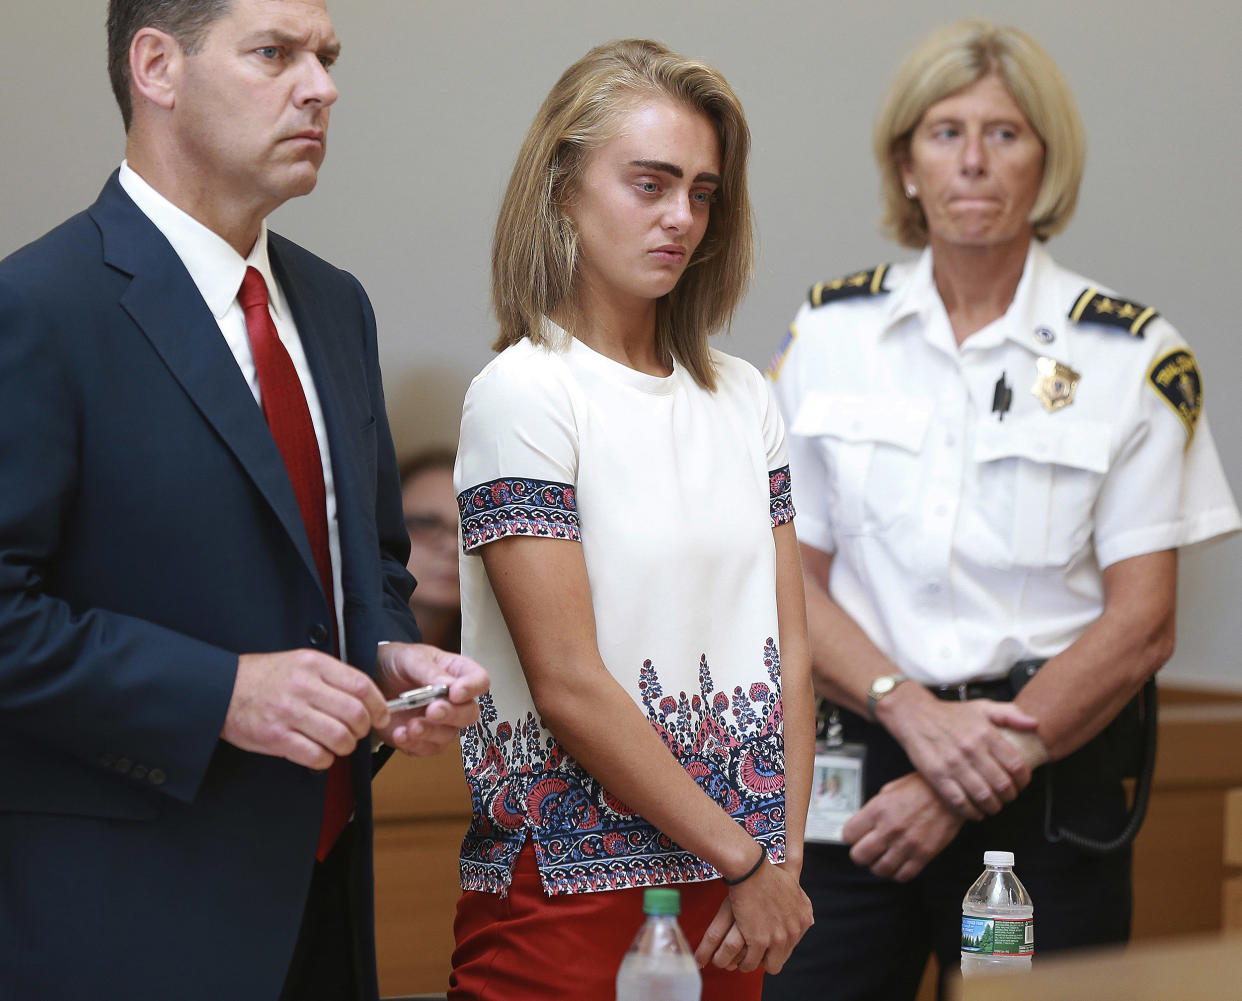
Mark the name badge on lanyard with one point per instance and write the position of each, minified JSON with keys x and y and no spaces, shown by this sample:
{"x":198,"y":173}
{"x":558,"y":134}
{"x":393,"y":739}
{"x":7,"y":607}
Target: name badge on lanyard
{"x":836,"y":784}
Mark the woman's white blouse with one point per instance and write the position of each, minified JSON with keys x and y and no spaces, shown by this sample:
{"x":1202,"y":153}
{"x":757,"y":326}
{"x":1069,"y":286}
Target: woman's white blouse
{"x":672,"y":492}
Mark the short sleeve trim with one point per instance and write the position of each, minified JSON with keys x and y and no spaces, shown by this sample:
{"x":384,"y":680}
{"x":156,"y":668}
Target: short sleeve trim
{"x":517,"y":506}
{"x":779,"y":490}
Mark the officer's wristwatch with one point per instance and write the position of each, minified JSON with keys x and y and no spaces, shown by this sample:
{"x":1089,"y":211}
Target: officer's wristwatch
{"x":882,"y":685}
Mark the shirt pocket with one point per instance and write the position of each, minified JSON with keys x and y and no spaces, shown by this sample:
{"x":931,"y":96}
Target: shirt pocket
{"x":870,"y":447}
{"x":1038,"y":486}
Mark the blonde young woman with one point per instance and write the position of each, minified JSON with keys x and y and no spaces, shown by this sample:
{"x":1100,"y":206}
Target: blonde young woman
{"x":996,"y":461}
{"x":630,"y":574}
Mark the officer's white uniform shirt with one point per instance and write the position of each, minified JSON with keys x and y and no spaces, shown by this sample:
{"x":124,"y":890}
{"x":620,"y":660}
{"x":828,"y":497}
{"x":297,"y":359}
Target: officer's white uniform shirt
{"x":965,"y":540}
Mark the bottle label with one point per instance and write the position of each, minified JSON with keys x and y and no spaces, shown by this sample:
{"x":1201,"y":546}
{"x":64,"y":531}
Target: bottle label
{"x":998,"y":936}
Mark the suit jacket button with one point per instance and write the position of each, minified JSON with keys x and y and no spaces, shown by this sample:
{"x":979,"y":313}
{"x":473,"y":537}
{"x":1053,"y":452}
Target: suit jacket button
{"x":156,"y":777}
{"x":123,"y":765}
{"x":139,"y":771}
{"x":107,"y":760}
{"x":318,"y":635}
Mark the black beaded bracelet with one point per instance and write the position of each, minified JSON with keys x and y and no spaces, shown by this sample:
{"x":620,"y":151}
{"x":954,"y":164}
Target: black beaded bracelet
{"x":763,"y":854}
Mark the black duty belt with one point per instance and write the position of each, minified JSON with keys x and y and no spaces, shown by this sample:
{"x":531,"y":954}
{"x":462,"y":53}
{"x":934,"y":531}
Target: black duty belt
{"x":1000,"y":689}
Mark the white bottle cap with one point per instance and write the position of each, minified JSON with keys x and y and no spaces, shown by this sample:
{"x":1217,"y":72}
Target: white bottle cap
{"x":998,"y":858}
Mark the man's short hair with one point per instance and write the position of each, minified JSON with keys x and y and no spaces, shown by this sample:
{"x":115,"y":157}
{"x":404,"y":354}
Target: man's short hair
{"x":186,"y":20}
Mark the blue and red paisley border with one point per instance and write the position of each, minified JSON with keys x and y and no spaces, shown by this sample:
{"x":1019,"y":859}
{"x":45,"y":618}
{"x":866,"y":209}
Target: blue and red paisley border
{"x":515,"y":505}
{"x":780,"y":496}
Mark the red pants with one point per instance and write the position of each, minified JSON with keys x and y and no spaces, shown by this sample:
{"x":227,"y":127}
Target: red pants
{"x":532,"y":947}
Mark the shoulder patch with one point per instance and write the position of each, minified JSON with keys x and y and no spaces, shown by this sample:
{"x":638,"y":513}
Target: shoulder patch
{"x":1094,"y":306}
{"x":1175,"y":376}
{"x":847,"y":286}
{"x":774,"y":366}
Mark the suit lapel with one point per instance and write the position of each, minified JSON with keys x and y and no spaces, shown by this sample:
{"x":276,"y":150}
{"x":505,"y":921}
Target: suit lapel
{"x":320,"y":321}
{"x":166,"y":305}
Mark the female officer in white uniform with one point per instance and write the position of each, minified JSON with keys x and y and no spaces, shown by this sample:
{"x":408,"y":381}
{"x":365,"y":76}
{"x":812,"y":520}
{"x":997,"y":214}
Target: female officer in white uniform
{"x":995,"y":462}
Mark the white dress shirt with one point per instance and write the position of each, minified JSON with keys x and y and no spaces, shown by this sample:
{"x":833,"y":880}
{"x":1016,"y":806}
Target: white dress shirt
{"x":967,"y":538}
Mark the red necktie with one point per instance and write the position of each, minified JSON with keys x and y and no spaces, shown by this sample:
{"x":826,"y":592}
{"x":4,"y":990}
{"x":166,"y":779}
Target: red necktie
{"x":284,"y":406}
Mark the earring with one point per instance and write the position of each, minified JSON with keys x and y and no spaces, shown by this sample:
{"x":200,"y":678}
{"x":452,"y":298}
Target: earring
{"x":911,"y":191}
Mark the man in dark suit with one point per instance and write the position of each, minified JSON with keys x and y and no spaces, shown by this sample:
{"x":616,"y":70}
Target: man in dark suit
{"x":203,"y":600}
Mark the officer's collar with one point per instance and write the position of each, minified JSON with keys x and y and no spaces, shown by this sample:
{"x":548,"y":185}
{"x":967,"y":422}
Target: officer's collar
{"x":1031,"y":321}
{"x":914,"y":296}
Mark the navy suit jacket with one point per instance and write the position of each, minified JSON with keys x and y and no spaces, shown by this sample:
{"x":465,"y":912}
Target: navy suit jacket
{"x":148,"y":535}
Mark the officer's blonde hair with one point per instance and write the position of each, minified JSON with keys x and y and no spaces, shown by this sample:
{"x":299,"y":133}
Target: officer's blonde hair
{"x":535,"y":249}
{"x":955,"y":57}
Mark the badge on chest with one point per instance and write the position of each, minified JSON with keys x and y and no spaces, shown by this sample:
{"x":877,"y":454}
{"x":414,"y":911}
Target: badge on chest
{"x":1055,"y":383}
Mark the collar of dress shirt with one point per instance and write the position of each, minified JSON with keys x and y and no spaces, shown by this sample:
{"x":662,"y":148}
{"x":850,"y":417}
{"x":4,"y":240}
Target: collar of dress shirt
{"x":1036,"y":319}
{"x":214,"y":266}
{"x":1028,"y":312}
{"x":915,"y":295}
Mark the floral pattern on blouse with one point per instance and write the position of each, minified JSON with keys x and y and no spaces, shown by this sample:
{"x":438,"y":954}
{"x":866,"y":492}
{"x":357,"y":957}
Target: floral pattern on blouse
{"x":521,"y":780}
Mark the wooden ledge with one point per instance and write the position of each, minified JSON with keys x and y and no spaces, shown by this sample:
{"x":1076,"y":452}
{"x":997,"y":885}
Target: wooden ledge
{"x":1194,"y":969}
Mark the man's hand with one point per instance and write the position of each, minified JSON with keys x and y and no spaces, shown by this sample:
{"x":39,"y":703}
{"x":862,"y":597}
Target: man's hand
{"x":759,"y":923}
{"x":302,"y":705}
{"x":960,"y":748}
{"x":402,"y":666}
{"x":900,"y":829}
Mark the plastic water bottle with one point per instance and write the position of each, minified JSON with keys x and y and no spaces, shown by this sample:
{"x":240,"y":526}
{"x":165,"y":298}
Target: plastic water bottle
{"x":998,"y":920}
{"x":659,"y":965}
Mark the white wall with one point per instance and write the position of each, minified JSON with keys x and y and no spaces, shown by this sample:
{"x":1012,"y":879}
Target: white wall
{"x":436,"y":95}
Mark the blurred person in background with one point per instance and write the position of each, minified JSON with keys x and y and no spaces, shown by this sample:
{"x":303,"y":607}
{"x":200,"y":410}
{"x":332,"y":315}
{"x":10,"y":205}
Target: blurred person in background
{"x":430,"y":506}
{"x":995,"y":461}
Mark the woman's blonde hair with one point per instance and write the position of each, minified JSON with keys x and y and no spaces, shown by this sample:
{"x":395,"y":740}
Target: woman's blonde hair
{"x":955,"y":57}
{"x":535,"y":250}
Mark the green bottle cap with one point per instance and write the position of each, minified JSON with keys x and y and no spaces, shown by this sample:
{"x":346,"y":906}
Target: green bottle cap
{"x":661,"y":902}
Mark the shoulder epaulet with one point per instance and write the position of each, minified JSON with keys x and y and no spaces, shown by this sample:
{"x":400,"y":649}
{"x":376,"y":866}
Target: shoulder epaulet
{"x":1094,"y":306}
{"x":847,"y":286}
